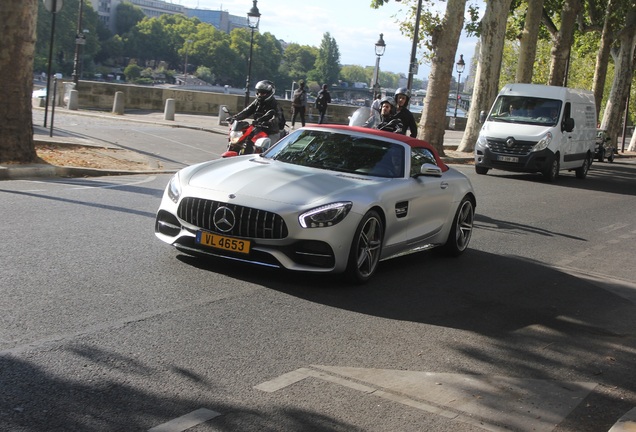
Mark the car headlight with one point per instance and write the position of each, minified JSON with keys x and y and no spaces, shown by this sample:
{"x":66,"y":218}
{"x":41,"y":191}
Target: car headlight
{"x":325,"y":216}
{"x":543,"y":142}
{"x":174,"y":188}
{"x":482,"y":142}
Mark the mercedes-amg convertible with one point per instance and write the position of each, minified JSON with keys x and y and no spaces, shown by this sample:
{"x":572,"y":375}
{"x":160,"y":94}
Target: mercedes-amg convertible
{"x":336,"y":199}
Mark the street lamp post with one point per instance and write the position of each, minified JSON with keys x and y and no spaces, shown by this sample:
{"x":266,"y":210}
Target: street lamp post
{"x":185,"y":65}
{"x":380,"y":46}
{"x":253,"y":18}
{"x":460,"y":65}
{"x":416,"y":32}
{"x":80,"y":40}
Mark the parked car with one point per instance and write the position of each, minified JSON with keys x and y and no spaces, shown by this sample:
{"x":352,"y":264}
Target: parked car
{"x":325,"y":199}
{"x":39,"y":93}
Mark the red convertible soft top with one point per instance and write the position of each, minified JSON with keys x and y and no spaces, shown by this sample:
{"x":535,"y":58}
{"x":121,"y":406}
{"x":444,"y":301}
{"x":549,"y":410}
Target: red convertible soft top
{"x":413,"y":142}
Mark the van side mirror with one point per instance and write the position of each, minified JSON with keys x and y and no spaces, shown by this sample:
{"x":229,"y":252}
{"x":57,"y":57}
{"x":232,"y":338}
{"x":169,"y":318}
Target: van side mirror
{"x":482,"y":116}
{"x":568,"y":124}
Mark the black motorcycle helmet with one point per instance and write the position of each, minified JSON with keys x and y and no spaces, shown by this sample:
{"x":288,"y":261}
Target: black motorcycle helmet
{"x":265,"y":90}
{"x":405,"y":92}
{"x":390,"y":101}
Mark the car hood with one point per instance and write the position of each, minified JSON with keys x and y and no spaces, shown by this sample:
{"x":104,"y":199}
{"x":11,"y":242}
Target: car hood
{"x":276,"y":181}
{"x":518,"y":130}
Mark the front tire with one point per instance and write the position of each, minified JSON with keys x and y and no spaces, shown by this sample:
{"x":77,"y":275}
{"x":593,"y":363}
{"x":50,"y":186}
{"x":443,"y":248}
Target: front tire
{"x":581,"y":172}
{"x":366,"y":248}
{"x":462,"y":229}
{"x":552,"y":172}
{"x":481,"y":170}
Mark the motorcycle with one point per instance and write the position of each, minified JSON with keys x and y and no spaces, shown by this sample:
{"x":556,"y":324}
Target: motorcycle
{"x":248,"y":138}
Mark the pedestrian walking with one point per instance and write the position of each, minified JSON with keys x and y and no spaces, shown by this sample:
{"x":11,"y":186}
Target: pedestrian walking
{"x":299,"y":103}
{"x":322,"y":100}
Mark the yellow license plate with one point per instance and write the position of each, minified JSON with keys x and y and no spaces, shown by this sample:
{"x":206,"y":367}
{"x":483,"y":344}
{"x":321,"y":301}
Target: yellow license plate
{"x":221,"y":242}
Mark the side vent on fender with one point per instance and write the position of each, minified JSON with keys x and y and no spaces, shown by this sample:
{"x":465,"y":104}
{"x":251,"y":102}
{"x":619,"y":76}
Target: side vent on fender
{"x":401,"y":209}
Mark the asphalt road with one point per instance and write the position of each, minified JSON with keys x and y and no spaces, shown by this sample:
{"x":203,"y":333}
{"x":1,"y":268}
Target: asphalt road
{"x":105,"y":328}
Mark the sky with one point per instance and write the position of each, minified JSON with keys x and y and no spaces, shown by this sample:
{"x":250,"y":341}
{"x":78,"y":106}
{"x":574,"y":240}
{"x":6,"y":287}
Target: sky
{"x":354,"y":25}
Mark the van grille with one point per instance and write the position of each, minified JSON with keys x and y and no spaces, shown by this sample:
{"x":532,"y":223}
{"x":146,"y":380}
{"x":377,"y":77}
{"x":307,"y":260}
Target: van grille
{"x":249,"y":222}
{"x":519,"y":148}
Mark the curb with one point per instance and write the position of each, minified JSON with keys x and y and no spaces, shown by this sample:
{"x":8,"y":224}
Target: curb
{"x":41,"y":170}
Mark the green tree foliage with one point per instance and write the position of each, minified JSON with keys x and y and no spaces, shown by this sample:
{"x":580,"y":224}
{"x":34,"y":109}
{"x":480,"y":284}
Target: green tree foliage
{"x":64,"y":37}
{"x":127,"y":16}
{"x":132,"y":72}
{"x":327,"y":66}
{"x":298,"y":61}
{"x":355,"y":73}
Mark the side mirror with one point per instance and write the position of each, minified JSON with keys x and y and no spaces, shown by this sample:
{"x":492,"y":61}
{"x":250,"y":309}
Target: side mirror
{"x":568,"y":124}
{"x":430,"y":170}
{"x":263,"y":143}
{"x":482,"y":116}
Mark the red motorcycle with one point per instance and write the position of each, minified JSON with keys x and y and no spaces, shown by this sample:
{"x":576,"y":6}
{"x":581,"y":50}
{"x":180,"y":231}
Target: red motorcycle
{"x":248,"y":138}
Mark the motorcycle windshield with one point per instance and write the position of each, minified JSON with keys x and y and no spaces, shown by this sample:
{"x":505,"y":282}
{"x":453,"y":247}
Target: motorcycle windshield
{"x":365,"y":117}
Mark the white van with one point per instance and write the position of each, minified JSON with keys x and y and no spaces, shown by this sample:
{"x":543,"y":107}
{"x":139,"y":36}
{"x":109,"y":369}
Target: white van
{"x":538,"y":128}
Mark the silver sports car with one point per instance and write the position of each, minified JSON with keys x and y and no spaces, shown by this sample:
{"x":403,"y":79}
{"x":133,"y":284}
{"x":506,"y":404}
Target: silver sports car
{"x":323,"y":199}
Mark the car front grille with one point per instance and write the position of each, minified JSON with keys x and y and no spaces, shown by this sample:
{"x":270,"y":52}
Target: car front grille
{"x":248,"y":222}
{"x":519,"y":148}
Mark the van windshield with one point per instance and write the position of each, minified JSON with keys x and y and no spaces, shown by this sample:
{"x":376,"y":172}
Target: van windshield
{"x":527,"y":110}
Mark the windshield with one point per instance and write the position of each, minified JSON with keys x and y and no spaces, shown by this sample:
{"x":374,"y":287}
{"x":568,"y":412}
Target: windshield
{"x":341,"y":152}
{"x":528,"y":110}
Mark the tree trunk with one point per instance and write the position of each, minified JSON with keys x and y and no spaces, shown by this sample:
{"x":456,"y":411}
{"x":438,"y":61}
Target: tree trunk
{"x":602,"y":58}
{"x":563,"y":42}
{"x":493,"y":34}
{"x":445,"y":40}
{"x":18,"y":18}
{"x":529,"y":37}
{"x":623,"y":75}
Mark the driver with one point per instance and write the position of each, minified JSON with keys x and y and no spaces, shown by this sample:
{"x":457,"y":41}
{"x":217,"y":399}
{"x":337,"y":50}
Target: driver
{"x":264,"y":103}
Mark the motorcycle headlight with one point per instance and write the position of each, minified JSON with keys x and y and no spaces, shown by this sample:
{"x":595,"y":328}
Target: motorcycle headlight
{"x":174,"y":188}
{"x":543,"y":142}
{"x":325,"y":216}
{"x":235,"y":136}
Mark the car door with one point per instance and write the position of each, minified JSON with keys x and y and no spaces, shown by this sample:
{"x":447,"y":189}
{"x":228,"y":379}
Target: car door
{"x":430,"y":198}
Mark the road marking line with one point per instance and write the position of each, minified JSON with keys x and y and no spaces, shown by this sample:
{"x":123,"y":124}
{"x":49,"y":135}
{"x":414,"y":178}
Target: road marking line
{"x":186,"y":421}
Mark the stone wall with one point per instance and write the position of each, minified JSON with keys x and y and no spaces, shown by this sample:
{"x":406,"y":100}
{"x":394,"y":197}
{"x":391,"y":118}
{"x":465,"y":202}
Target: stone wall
{"x":101,"y":96}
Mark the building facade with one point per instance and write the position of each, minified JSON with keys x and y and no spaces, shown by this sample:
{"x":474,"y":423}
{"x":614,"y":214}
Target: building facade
{"x":222,"y":20}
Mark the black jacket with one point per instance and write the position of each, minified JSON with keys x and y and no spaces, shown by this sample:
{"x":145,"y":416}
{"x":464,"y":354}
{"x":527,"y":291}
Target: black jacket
{"x":258,"y":109}
{"x":407,"y":119}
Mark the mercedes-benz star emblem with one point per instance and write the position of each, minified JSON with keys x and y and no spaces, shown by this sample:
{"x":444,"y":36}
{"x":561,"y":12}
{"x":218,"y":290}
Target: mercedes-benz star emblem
{"x":224,"y":219}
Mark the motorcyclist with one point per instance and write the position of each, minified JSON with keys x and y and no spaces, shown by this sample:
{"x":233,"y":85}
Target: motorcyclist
{"x":265,"y":109}
{"x":389,"y":121}
{"x":402,"y":96}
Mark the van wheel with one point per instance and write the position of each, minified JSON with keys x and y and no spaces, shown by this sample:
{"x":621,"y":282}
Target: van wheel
{"x":552,"y":172}
{"x":581,"y":172}
{"x":481,"y":170}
